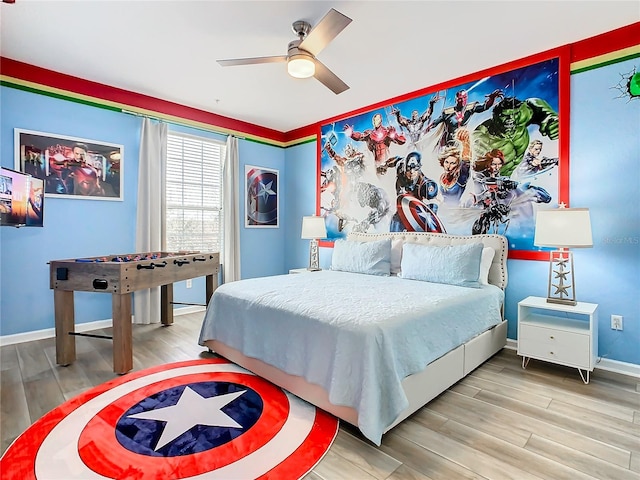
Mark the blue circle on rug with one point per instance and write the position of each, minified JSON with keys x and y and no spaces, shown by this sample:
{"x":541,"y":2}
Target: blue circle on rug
{"x":144,"y":430}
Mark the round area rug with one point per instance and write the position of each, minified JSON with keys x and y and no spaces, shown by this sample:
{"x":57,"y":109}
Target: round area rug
{"x":201,"y":418}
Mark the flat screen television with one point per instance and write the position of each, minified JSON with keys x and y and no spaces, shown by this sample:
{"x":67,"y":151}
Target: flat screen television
{"x":21,"y":199}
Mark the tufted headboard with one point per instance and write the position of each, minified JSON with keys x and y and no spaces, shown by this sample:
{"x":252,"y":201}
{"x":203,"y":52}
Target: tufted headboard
{"x":497,"y":273}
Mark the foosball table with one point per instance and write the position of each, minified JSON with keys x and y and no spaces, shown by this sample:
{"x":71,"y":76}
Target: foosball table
{"x":121,"y":275}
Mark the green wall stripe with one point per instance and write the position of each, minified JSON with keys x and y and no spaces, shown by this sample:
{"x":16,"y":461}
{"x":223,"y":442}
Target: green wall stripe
{"x":90,"y":103}
{"x":302,"y":142}
{"x":59,"y":96}
{"x":604,"y":64}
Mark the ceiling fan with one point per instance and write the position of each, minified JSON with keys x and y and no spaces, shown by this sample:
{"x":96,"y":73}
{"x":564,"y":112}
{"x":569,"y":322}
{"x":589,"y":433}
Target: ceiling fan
{"x":301,"y":54}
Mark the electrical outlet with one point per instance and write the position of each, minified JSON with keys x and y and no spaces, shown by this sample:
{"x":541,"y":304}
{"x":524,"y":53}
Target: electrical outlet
{"x":190,"y":283}
{"x":616,"y":322}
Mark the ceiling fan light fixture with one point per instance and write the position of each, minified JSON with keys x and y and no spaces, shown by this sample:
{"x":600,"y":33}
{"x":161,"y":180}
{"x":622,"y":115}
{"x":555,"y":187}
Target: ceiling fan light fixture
{"x":301,"y":66}
{"x":301,"y":53}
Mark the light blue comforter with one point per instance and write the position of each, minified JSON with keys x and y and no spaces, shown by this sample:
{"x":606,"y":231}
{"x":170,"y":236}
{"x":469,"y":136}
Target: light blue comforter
{"x":358,"y":336}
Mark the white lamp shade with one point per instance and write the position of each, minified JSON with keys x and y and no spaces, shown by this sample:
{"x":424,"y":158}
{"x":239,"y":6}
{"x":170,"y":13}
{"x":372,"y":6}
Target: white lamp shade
{"x":313,"y":227}
{"x":301,"y":66}
{"x":563,"y":227}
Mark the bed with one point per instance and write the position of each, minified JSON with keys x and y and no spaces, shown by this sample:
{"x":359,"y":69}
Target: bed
{"x":398,"y":319}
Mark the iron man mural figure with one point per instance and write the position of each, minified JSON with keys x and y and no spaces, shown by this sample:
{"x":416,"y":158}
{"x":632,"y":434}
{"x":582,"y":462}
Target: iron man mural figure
{"x":378,"y":139}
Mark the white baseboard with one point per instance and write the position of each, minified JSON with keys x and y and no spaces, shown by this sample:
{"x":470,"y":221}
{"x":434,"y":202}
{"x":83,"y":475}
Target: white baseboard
{"x":615,"y":366}
{"x":80,"y":328}
{"x":605,"y":364}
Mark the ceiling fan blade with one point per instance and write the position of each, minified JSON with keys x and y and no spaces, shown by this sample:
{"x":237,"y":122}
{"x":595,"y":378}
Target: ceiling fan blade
{"x":252,"y":61}
{"x":329,"y":79}
{"x":326,"y":30}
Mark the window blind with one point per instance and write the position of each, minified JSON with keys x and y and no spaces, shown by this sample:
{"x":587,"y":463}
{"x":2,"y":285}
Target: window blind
{"x":193,"y":187}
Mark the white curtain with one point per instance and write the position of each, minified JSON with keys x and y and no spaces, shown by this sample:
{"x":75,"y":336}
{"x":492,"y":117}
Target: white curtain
{"x":231,"y":213}
{"x":150,"y":218}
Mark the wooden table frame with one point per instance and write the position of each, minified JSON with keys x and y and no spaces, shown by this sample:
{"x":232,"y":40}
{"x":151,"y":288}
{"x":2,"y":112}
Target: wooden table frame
{"x":121,"y":279}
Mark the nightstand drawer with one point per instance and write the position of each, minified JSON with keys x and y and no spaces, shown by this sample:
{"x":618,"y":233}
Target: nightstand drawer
{"x":558,"y":333}
{"x":568,"y":348}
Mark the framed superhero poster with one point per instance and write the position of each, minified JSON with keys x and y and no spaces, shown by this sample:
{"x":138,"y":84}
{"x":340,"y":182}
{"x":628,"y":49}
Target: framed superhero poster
{"x":261,"y":197}
{"x":71,"y":167}
{"x":477,"y":155}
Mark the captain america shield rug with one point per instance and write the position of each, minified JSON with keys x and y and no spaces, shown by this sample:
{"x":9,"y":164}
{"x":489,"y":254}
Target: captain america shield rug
{"x":201,"y":418}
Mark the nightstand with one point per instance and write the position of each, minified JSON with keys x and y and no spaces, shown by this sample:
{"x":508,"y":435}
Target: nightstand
{"x":302,"y":270}
{"x":562,"y":334}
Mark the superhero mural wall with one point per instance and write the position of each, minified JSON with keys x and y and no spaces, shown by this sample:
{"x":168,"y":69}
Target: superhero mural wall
{"x":474,"y":158}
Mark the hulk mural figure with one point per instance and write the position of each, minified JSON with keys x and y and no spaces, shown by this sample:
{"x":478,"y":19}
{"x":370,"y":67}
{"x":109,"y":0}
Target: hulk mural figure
{"x":507,"y":129}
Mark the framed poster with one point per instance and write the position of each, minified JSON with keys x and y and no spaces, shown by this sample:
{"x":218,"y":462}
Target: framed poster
{"x":71,"y":167}
{"x":477,"y":155}
{"x":261,"y":197}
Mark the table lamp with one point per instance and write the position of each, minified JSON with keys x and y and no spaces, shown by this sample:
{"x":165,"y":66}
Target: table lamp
{"x":562,"y":228}
{"x":313,"y":227}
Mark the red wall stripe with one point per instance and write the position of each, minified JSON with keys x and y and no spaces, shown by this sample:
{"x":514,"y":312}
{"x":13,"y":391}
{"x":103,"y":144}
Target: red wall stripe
{"x":608,"y":42}
{"x":50,"y":78}
{"x":618,"y":39}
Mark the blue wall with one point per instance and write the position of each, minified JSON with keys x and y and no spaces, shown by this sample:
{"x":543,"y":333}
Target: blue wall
{"x":604,"y":177}
{"x":262,"y":250}
{"x":301,"y":201}
{"x":72,"y":228}
{"x":81,"y":228}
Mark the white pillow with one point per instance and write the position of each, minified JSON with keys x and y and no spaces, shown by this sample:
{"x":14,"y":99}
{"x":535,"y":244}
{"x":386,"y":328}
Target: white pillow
{"x":485,"y":264}
{"x":450,"y":264}
{"x":371,"y":258}
{"x":396,"y":255}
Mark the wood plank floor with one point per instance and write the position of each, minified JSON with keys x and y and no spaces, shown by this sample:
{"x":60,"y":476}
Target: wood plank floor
{"x":501,"y":422}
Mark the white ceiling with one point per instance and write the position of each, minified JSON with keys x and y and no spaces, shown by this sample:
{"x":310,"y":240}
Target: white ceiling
{"x":168,"y":49}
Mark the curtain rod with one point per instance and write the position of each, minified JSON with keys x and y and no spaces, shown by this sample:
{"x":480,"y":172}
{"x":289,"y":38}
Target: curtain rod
{"x":144,"y":115}
{"x":136,"y":114}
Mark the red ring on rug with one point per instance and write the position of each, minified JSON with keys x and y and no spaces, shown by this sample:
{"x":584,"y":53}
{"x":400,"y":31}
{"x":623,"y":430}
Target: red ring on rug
{"x":99,"y":448}
{"x":317,"y":443}
{"x":21,"y":455}
{"x":19,"y":461}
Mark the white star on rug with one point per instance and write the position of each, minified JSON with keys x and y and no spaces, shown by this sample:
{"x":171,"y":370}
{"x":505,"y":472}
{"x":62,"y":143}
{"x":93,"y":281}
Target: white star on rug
{"x":192,"y":409}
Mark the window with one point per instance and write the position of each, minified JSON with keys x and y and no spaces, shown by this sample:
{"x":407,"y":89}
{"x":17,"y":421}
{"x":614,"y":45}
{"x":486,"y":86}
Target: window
{"x":194,"y":197}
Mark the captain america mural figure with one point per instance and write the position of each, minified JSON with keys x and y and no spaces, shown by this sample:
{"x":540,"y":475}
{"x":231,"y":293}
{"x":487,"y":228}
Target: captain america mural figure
{"x":416,"y":207}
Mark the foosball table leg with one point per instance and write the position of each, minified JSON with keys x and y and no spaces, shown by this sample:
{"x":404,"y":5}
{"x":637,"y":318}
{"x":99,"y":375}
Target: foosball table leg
{"x":211,"y":283}
{"x":65,"y":327}
{"x":166,"y":304}
{"x":122,"y":333}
